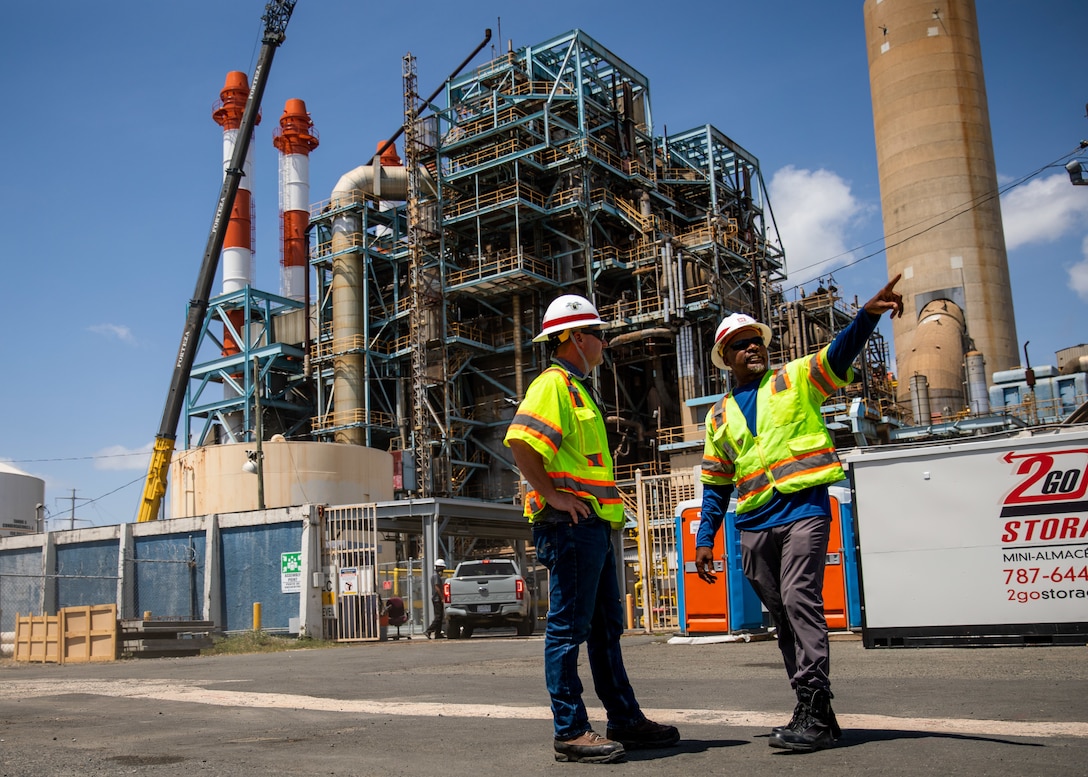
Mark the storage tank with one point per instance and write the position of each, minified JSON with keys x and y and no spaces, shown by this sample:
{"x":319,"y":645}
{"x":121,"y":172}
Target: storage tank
{"x":214,"y":478}
{"x":938,"y":183}
{"x":22,"y":497}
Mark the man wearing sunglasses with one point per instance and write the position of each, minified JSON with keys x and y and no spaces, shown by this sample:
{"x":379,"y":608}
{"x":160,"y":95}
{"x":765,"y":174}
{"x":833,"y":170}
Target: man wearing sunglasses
{"x":559,"y":444}
{"x":767,"y":441}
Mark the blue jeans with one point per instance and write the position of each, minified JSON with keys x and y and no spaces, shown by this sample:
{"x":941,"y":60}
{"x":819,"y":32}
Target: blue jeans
{"x":584,"y":606}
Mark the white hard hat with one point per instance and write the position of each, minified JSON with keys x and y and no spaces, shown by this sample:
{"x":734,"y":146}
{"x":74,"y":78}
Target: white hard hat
{"x":730,"y":326}
{"x":440,"y":562}
{"x":567,"y":312}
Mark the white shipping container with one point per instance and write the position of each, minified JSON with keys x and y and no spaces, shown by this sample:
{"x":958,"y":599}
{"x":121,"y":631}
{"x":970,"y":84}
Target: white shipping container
{"x":983,"y":541}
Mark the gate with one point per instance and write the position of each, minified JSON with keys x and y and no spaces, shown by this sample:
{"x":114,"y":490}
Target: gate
{"x":656,"y":498}
{"x":351,"y":604}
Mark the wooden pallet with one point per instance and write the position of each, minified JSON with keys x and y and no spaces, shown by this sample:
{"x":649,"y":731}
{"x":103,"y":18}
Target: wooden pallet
{"x":38,"y":638}
{"x":164,"y":638}
{"x":89,"y":633}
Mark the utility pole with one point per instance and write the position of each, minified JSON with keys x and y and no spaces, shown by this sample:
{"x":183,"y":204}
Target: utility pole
{"x":72,"y":513}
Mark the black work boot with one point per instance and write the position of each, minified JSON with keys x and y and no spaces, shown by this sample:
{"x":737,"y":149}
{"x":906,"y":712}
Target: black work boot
{"x":814,"y":728}
{"x":798,"y":711}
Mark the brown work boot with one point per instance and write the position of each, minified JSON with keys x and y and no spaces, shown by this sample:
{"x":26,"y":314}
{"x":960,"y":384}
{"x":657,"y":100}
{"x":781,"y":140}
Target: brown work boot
{"x":590,"y":748}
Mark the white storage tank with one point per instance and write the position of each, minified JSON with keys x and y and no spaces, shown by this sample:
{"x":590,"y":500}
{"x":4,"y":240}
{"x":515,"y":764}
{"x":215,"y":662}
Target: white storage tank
{"x":21,"y":499}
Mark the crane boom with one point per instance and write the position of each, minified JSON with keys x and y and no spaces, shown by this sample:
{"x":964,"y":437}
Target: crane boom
{"x":277,"y":14}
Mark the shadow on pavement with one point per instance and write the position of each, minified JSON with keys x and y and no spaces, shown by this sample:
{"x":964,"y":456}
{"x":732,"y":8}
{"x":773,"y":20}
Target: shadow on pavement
{"x":684,"y":746}
{"x":855,"y":737}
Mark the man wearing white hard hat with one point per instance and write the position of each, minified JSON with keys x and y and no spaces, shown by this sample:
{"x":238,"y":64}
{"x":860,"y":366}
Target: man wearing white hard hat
{"x":559,"y":443}
{"x":766,"y":439}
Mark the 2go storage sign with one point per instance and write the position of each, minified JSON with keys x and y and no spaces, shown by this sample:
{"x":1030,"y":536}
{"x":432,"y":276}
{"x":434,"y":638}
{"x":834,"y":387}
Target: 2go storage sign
{"x":974,"y":537}
{"x":1044,"y":528}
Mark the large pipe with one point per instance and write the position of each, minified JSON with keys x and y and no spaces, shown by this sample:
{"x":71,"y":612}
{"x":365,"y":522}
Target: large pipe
{"x":348,"y":285}
{"x":295,"y":139}
{"x":919,"y":400}
{"x":977,"y":392}
{"x":389,"y":182}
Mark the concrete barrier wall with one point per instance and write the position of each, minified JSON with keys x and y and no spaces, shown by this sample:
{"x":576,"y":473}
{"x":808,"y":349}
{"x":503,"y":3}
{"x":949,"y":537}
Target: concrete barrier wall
{"x":207,"y":567}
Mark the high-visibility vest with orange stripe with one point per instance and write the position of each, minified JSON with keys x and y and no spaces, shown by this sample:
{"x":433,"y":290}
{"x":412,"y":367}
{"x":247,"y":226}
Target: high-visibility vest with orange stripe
{"x":792,"y":448}
{"x":560,"y":421}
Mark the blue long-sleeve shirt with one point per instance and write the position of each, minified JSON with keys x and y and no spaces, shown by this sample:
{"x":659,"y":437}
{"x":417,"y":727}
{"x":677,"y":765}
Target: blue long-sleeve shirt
{"x":782,"y":508}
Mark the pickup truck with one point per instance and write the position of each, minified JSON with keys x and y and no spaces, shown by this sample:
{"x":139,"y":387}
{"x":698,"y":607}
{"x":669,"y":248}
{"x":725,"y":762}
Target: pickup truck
{"x":487,"y":593}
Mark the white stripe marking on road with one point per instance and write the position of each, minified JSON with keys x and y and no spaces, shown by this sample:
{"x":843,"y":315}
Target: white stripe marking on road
{"x":174,"y":692}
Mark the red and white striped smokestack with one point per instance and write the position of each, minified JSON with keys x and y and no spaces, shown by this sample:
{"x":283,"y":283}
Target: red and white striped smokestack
{"x":295,"y":139}
{"x":237,"y":256}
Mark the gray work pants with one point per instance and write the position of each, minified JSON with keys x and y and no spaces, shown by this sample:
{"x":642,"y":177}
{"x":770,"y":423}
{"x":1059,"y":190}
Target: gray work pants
{"x":785,"y":566}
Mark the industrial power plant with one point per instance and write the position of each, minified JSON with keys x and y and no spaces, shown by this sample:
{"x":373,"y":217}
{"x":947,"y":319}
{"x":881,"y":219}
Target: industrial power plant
{"x":411,"y":291}
{"x":388,"y":365}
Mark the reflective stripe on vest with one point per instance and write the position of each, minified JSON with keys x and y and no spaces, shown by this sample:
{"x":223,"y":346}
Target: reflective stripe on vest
{"x":715,"y":465}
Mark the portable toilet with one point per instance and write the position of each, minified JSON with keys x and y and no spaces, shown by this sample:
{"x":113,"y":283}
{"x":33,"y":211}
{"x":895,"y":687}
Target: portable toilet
{"x":842,"y":599}
{"x":731,"y":604}
{"x":728,"y":605}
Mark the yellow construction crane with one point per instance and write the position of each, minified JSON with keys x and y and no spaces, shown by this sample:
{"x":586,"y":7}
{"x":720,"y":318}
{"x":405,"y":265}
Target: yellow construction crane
{"x":277,"y":14}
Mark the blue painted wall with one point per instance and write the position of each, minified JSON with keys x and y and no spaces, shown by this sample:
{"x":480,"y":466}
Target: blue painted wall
{"x":168,"y":571}
{"x":250,"y":558}
{"x":86,"y":573}
{"x":20,"y":585}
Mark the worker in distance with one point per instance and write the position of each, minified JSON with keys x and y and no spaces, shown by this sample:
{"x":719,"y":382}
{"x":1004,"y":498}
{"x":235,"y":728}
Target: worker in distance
{"x":766,"y":440}
{"x":558,"y":441}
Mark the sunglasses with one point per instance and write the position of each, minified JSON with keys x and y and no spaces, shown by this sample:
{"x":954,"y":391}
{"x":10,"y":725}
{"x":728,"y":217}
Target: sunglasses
{"x":740,"y":345}
{"x":594,"y":333}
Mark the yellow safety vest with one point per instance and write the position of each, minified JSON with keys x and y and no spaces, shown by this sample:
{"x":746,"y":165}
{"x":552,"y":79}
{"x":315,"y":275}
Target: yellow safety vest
{"x":791,"y":449}
{"x":560,"y":421}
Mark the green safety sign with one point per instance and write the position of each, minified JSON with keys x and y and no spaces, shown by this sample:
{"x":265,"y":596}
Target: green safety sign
{"x":291,"y":562}
{"x":291,"y":572}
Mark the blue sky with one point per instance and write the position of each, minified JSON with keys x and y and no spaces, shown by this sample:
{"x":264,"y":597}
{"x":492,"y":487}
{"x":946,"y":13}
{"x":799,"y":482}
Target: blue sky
{"x":112,"y":170}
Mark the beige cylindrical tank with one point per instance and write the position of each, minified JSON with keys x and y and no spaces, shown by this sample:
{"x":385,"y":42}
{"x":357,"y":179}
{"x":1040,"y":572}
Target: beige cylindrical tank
{"x":935,"y":159}
{"x":938,"y":348}
{"x":211,"y":479}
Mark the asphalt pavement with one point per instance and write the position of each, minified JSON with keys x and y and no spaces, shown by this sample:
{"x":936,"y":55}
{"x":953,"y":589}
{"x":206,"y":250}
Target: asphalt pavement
{"x":478,"y":708}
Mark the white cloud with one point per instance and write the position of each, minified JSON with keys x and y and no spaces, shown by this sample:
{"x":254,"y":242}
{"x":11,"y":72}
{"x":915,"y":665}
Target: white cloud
{"x":813,"y":210}
{"x":118,"y":457}
{"x":1078,"y":273}
{"x":122,"y":333}
{"x":1043,"y":211}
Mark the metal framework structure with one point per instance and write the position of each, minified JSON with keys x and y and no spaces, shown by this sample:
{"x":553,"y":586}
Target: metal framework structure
{"x":215,"y":415}
{"x":540,"y":176}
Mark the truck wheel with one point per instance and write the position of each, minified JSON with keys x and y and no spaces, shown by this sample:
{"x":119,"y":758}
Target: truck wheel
{"x":453,"y":629}
{"x":466,"y":631}
{"x":525,"y":627}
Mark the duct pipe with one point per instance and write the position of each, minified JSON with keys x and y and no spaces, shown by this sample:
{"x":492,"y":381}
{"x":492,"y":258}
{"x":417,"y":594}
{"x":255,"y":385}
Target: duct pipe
{"x":519,"y":352}
{"x":348,"y":287}
{"x":640,"y":334}
{"x":977,"y":391}
{"x":666,"y":279}
{"x":919,"y":400}
{"x":295,"y":139}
